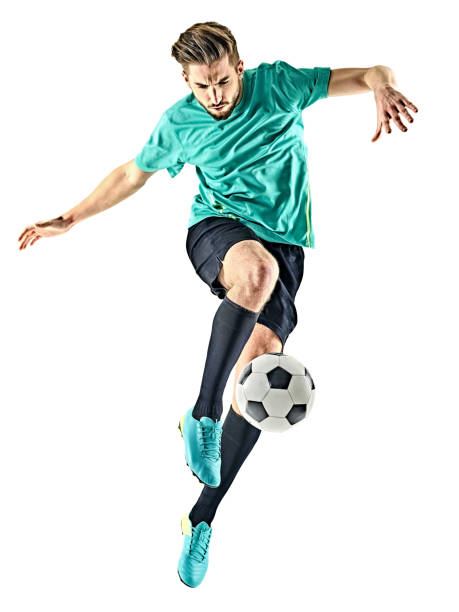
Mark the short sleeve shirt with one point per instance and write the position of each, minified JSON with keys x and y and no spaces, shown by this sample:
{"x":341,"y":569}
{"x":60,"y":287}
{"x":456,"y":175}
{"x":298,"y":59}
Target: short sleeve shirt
{"x":251,"y":166}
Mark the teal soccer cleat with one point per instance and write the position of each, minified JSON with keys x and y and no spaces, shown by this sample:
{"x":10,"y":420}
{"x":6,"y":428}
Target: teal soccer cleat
{"x":194,"y":560}
{"x":202,"y":447}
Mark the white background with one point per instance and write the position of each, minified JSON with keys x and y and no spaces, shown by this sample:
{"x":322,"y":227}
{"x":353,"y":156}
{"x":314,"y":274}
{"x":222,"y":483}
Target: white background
{"x":105,"y":328}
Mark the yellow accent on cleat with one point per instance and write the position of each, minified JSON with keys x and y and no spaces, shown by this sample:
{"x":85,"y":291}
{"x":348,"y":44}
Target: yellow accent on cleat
{"x":186,"y":525}
{"x":181,"y":424}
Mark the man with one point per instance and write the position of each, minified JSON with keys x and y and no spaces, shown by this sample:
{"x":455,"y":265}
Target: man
{"x":248,"y":227}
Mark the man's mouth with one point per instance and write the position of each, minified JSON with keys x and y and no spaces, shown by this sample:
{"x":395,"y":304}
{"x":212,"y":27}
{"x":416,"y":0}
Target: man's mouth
{"x":218,"y":107}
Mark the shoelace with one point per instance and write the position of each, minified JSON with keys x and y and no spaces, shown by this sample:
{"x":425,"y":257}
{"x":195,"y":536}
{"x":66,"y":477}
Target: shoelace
{"x":210,"y":438}
{"x":199,"y":544}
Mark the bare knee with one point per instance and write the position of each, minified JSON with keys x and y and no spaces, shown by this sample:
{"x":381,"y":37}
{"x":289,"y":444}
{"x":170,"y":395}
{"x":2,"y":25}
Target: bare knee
{"x":247,"y":263}
{"x":256,"y":285}
{"x":249,"y":273}
{"x":262,"y":276}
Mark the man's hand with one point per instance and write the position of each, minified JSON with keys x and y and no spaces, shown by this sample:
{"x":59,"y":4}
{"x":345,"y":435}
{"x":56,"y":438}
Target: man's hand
{"x":389,"y":103}
{"x":42,"y":229}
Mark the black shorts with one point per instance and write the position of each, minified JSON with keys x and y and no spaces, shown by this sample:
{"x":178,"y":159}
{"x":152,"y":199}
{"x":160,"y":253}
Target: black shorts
{"x":207,"y":243}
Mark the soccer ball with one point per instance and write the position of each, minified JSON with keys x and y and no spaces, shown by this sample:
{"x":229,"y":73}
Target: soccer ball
{"x":274,"y":392}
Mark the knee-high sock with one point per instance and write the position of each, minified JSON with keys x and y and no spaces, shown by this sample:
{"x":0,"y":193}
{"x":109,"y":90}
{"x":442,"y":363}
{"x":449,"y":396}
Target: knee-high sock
{"x":238,"y":439}
{"x":231,"y":328}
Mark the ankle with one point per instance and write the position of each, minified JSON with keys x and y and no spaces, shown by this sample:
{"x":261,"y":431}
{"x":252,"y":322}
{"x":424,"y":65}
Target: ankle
{"x":202,"y":408}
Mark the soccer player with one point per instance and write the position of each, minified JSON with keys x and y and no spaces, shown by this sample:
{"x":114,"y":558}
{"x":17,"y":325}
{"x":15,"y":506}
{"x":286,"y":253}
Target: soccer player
{"x":249,"y":224}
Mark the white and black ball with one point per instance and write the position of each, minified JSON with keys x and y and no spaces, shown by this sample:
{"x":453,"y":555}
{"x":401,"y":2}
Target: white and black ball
{"x":274,"y":392}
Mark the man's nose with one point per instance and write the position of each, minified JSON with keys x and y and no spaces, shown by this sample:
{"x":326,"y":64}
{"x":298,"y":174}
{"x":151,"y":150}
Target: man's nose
{"x":215,"y":96}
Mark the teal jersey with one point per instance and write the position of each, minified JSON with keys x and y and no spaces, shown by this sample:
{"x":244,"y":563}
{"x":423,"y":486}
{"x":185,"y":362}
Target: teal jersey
{"x":251,"y":166}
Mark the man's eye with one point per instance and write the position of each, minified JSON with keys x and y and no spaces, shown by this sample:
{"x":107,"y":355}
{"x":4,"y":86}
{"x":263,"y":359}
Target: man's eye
{"x":204,"y":86}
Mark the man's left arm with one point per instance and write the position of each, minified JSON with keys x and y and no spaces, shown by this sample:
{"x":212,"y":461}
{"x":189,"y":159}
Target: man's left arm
{"x":380,"y":80}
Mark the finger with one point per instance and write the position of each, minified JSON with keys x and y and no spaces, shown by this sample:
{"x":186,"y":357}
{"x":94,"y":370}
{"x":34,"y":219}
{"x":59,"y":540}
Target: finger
{"x":28,"y":239}
{"x":35,"y":239}
{"x":386,"y":123}
{"x":398,"y":122}
{"x":377,"y":134}
{"x":32,"y":239}
{"x":29,"y":227}
{"x":410,"y":104}
{"x":27,"y":235}
{"x":23,"y":244}
{"x":402,"y":109}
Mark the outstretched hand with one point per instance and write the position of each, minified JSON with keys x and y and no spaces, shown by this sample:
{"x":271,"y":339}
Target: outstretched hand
{"x":389,"y":103}
{"x":42,"y":229}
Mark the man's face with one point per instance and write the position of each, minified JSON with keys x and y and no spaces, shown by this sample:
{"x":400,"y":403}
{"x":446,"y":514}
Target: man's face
{"x":217,"y":88}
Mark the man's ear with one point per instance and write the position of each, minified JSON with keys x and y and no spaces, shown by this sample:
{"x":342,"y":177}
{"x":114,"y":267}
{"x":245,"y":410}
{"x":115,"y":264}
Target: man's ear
{"x":186,"y":78}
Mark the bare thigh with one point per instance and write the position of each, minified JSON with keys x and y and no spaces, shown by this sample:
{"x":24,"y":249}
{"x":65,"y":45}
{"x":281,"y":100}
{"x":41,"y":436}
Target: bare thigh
{"x":242,"y":258}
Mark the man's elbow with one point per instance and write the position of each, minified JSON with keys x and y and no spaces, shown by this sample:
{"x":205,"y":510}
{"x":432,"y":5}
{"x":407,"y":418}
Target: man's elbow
{"x":136,"y":176}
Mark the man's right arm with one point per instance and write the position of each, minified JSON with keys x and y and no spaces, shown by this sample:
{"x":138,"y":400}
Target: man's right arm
{"x":116,"y":187}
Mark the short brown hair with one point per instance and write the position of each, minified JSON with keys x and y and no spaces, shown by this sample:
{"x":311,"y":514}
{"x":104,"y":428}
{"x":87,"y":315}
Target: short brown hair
{"x":205,"y":43}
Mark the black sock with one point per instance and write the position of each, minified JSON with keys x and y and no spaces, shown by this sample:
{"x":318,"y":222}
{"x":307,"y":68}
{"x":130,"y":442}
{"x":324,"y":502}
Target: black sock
{"x":238,"y":439}
{"x":232,"y":326}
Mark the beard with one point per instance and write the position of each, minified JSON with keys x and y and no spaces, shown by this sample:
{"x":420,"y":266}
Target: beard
{"x":218,"y":116}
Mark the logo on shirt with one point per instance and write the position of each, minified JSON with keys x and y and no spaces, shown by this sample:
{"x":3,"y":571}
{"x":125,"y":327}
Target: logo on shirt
{"x":221,"y":207}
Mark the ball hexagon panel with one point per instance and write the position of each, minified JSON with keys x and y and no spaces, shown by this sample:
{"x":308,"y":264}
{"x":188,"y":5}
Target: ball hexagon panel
{"x":291,"y":364}
{"x":275,"y":424}
{"x":311,"y":401}
{"x":279,"y":378}
{"x":256,"y":387}
{"x":265,"y":363}
{"x":278,"y":402}
{"x":300,"y":389}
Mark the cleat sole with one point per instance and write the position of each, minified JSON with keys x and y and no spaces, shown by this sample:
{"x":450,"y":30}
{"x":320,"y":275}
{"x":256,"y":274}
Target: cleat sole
{"x":184,"y":582}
